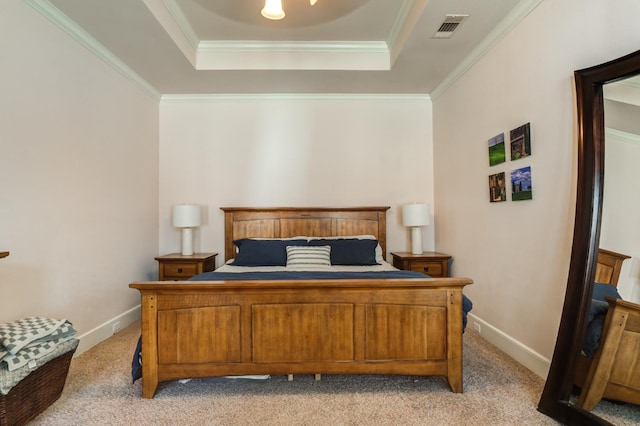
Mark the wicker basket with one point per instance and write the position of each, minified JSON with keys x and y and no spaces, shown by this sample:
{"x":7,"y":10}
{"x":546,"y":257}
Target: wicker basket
{"x":36,"y":392}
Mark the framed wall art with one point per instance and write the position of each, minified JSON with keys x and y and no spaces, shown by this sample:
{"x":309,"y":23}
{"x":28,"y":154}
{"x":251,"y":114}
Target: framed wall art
{"x":497,"y":152}
{"x":521,"y":187}
{"x":497,"y":188}
{"x":520,"y":139}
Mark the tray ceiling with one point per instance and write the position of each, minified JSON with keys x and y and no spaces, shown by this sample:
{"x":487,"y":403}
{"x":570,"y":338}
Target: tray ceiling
{"x":188,"y":47}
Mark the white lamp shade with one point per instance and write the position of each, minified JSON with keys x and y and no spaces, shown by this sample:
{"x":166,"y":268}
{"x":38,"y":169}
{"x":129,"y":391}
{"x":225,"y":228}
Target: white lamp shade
{"x":186,"y":215}
{"x":416,"y":214}
{"x":273,"y":9}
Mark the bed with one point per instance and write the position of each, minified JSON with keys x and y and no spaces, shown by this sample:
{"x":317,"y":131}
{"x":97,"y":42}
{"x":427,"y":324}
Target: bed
{"x":399,"y":325}
{"x":609,"y":366}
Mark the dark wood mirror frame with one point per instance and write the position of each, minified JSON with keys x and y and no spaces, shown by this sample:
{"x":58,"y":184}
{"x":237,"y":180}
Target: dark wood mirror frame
{"x":554,"y":401}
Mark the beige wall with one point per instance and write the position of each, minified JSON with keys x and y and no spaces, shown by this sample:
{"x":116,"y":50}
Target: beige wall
{"x":293,"y":151}
{"x":518,"y":252}
{"x":78,"y":177}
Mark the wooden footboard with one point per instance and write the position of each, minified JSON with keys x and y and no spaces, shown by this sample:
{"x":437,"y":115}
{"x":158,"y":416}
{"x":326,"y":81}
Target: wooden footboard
{"x":614,"y":372}
{"x":391,"y":326}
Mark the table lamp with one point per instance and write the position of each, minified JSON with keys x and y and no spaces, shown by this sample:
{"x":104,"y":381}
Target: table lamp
{"x":415,"y":216}
{"x":186,"y":216}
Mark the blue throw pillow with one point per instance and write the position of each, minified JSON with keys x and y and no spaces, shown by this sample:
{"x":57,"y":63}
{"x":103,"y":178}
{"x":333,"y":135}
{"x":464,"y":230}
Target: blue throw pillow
{"x":350,"y":251}
{"x":264,"y":252}
{"x":601,"y":290}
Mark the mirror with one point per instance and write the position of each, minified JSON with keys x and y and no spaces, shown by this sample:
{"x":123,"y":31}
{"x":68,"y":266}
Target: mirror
{"x":555,"y":400}
{"x":620,"y":232}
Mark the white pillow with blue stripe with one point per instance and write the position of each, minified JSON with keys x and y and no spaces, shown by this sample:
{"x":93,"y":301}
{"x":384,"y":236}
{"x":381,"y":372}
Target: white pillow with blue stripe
{"x":308,"y":256}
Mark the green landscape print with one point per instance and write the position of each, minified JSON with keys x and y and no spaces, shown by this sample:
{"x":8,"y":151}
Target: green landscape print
{"x":497,"y":153}
{"x":521,"y":184}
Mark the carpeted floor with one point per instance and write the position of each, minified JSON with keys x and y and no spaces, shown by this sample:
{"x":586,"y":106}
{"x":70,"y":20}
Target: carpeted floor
{"x":497,"y":391}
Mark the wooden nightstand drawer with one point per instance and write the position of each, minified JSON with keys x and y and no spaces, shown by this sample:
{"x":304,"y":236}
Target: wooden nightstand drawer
{"x":179,"y":271}
{"x":182,"y":267}
{"x":435,"y":269}
{"x":431,"y":263}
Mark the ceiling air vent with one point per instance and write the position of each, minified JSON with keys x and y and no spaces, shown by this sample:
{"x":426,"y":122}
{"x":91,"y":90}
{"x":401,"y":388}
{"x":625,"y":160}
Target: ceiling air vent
{"x":449,"y":25}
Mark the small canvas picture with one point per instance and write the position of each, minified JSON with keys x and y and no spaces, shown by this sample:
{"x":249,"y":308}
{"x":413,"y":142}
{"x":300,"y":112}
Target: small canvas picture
{"x":497,"y":153}
{"x":521,"y":188}
{"x":497,"y":189}
{"x":520,"y":142}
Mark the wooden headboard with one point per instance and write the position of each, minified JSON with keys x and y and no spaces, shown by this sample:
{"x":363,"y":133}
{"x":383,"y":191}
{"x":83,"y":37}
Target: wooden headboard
{"x":609,"y":265}
{"x":286,"y":222}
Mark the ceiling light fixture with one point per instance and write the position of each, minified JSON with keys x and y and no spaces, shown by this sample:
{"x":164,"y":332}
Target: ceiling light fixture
{"x":273,"y":9}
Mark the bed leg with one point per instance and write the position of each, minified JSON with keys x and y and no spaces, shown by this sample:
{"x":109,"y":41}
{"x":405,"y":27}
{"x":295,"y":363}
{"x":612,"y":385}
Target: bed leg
{"x":149,"y":387}
{"x":318,"y":377}
{"x":290,"y":377}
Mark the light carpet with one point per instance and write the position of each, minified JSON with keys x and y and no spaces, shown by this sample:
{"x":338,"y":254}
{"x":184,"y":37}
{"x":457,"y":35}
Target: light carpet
{"x":497,"y":391}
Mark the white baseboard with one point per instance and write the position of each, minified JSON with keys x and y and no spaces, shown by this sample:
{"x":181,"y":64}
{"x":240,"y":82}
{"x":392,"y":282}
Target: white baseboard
{"x":516,"y":350}
{"x":107,"y":329}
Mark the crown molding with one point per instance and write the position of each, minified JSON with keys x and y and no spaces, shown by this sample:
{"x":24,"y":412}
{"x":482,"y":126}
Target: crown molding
{"x":292,"y":55}
{"x":498,"y":33}
{"x":625,"y":91}
{"x":181,"y":21}
{"x":81,"y":36}
{"x":404,"y":23}
{"x":294,"y":46}
{"x":175,"y":24}
{"x":619,"y":135}
{"x":195,"y":98}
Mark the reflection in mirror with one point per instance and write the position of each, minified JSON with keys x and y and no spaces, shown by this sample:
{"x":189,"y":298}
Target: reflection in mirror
{"x":622,"y":317}
{"x":620,"y":228}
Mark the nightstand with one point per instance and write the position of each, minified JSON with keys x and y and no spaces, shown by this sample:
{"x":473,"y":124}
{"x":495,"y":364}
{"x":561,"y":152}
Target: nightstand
{"x":176,"y":266}
{"x":430,"y":263}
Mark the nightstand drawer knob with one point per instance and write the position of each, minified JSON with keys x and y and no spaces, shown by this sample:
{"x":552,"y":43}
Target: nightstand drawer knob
{"x":426,"y":269}
{"x":180,"y":270}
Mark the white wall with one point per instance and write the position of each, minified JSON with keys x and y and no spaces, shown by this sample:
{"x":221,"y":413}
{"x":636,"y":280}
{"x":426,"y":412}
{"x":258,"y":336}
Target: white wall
{"x":518,"y":252}
{"x":78,"y":177}
{"x":293,"y":151}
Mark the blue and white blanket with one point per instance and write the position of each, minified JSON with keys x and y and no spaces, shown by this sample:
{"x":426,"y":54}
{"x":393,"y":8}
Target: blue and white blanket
{"x":9,"y":379}
{"x":26,"y":340}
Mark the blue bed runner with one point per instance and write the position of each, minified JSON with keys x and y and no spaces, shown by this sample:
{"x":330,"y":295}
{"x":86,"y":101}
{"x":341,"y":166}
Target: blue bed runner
{"x":303,"y":275}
